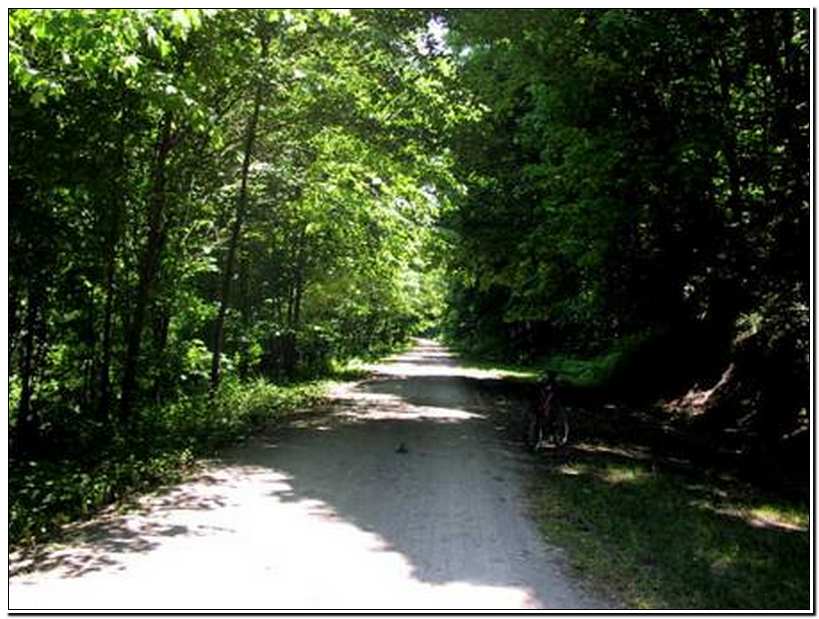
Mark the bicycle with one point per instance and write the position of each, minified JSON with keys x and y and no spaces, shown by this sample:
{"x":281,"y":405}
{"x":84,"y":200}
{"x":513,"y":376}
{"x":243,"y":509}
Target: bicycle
{"x":548,"y":421}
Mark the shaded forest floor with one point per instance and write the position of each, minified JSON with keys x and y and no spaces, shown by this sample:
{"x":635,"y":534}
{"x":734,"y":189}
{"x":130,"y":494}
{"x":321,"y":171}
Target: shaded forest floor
{"x":677,"y":432}
{"x":94,"y":468}
{"x":654,"y":514}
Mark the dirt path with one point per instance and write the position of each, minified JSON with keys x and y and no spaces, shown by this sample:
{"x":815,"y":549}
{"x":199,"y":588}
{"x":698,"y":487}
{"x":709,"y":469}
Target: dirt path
{"x":328,"y":514}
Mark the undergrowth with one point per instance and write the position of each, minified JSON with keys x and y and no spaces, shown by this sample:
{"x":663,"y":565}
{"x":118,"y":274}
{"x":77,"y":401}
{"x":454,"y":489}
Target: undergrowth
{"x":159,"y":448}
{"x":658,"y":540}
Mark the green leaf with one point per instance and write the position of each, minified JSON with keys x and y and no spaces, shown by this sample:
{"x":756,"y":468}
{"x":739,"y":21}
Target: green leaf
{"x":131,"y":63}
{"x":39,"y":30}
{"x":181,"y":23}
{"x":38,"y":97}
{"x":163,"y":46}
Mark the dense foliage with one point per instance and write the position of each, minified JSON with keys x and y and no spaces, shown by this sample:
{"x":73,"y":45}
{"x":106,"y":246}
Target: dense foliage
{"x":201,"y":200}
{"x":205,"y":203}
{"x":637,"y":195}
{"x":197,"y":195}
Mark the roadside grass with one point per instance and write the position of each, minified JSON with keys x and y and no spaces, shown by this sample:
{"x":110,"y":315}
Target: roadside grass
{"x":580,"y":371}
{"x":584,"y":372}
{"x":161,"y":447}
{"x":384,"y":354}
{"x":526,"y":372}
{"x":574,"y":371}
{"x":352,"y":370}
{"x":650,"y":528}
{"x":656,"y":539}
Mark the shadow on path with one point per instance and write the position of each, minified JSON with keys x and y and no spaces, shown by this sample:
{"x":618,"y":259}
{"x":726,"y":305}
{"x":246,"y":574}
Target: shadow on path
{"x":403,"y":497}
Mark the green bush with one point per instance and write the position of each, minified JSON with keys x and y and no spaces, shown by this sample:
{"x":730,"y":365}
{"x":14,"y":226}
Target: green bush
{"x":161,"y":445}
{"x":44,"y":495}
{"x":612,"y":367}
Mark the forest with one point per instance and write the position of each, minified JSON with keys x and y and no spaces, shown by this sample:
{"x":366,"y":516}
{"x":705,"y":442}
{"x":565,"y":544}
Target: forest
{"x":212,"y":212}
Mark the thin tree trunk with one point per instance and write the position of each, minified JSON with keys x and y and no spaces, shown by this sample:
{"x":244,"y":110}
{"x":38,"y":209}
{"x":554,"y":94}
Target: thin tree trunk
{"x":27,"y":420}
{"x":107,"y":347}
{"x":14,"y":317}
{"x":149,"y":266}
{"x":291,"y":286}
{"x":244,"y":307}
{"x":89,"y":364}
{"x":299,"y":281}
{"x":235,"y":235}
{"x":104,"y":402}
{"x":162,"y":322}
{"x":729,"y":132}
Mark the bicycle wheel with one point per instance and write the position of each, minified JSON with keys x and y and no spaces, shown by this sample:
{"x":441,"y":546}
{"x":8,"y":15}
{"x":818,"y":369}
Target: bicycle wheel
{"x":534,"y":433}
{"x":558,"y":425}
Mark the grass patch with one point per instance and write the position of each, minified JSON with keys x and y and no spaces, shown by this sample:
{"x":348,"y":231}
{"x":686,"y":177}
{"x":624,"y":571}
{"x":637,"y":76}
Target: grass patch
{"x":579,"y":372}
{"x":584,"y":373}
{"x":612,"y":366}
{"x":523,"y":371}
{"x":661,"y":540}
{"x":352,"y":370}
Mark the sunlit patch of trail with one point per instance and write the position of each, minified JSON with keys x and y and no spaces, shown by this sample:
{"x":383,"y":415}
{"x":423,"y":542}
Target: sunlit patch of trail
{"x":326,"y":516}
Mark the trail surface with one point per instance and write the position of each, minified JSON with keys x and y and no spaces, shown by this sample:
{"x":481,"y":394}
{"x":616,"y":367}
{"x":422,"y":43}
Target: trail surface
{"x":327,"y":514}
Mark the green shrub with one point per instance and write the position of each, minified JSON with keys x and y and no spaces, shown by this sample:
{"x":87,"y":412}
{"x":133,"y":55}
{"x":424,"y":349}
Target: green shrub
{"x":159,"y":448}
{"x":615,"y":367}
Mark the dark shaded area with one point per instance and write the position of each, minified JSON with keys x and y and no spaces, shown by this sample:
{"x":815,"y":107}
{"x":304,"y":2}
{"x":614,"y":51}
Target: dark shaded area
{"x":681,"y":538}
{"x":621,"y":224}
{"x":598,"y":413}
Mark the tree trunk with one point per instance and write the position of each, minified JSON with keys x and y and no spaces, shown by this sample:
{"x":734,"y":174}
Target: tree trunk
{"x":299,"y":284}
{"x":89,"y":363}
{"x":161,"y":325}
{"x":104,"y":401}
{"x":149,"y":266}
{"x":729,"y":143}
{"x":235,"y":235}
{"x":27,"y":419}
{"x":244,"y":307}
{"x":14,"y":318}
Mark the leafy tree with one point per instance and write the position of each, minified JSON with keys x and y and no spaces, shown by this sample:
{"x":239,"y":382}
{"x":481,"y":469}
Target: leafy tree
{"x":632,"y":185}
{"x":187,"y":183}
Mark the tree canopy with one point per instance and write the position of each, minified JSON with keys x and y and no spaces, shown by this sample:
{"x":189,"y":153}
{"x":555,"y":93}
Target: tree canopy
{"x":254,"y":185}
{"x":199,"y":199}
{"x":637,"y":188}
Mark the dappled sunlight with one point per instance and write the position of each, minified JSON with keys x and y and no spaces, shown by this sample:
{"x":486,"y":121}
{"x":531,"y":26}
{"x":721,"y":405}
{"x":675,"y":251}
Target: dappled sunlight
{"x":573,"y":469}
{"x":758,"y":518}
{"x":276,"y":548}
{"x":326,"y":513}
{"x":415,"y":412}
{"x":610,"y":474}
{"x":673,"y":539}
{"x":363,"y":404}
{"x":429,"y":359}
{"x":771,"y":516}
{"x":623,"y":475}
{"x":633,"y":452}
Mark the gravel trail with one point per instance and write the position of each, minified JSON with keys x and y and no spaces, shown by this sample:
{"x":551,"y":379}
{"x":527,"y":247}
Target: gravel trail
{"x":403,"y":497}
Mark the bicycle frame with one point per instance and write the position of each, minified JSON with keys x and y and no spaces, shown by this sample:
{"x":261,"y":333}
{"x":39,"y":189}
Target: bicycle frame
{"x":548,"y":421}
